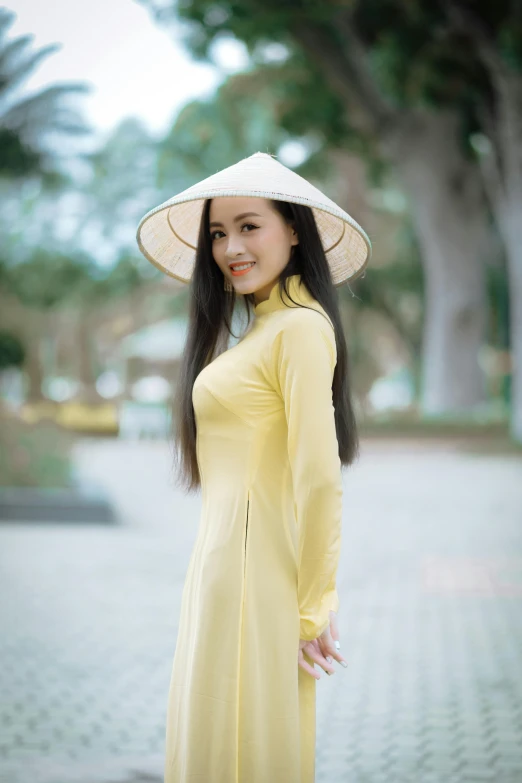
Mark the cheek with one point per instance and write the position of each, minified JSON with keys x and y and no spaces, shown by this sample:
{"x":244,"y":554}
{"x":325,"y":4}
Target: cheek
{"x":270,"y":242}
{"x":277,"y":247}
{"x":218,"y":253}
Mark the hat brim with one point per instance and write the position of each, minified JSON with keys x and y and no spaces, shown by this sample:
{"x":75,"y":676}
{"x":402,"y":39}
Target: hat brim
{"x":167,"y":236}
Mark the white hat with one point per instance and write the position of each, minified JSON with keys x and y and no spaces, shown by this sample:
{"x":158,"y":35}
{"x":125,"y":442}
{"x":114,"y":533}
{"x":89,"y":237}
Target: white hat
{"x":168,"y":234}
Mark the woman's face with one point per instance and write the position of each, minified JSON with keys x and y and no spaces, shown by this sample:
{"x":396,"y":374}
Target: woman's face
{"x":251,"y":243}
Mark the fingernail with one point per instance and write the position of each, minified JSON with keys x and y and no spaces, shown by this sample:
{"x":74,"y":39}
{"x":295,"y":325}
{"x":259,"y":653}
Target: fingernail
{"x":343,"y":663}
{"x":337,"y":645}
{"x":329,"y":658}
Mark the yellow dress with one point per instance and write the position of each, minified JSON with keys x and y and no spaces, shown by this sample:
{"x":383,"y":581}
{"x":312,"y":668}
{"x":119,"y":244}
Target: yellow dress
{"x":262,"y":573}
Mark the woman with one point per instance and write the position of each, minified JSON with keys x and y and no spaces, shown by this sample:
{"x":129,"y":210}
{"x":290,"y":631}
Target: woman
{"x":263,"y":428}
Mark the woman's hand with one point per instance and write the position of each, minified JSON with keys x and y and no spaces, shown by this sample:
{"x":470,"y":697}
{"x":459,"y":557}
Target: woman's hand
{"x":322,"y":650}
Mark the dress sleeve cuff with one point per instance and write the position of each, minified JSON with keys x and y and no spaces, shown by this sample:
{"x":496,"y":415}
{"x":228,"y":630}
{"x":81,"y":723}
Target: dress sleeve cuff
{"x":313,"y":626}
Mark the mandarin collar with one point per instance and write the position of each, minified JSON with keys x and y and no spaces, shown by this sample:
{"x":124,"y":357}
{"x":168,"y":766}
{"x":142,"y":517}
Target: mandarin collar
{"x":296,"y":289}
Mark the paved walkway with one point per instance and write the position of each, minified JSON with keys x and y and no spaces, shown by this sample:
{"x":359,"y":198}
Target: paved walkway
{"x":431,"y":622}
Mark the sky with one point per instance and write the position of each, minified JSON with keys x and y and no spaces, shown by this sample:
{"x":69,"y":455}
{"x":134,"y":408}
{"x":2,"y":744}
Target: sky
{"x":136,"y":68}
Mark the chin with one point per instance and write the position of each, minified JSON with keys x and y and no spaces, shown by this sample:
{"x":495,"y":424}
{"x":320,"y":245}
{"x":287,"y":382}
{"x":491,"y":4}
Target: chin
{"x":244,"y":290}
{"x":246,"y":286}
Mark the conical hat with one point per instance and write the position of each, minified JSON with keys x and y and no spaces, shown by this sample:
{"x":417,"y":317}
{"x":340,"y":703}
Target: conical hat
{"x":168,"y":234}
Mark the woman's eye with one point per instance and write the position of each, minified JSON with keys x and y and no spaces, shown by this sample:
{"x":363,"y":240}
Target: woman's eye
{"x":245,"y":225}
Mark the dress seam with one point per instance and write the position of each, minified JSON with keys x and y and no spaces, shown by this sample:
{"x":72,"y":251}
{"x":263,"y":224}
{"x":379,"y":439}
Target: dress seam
{"x":230,"y":410}
{"x":240,"y":635}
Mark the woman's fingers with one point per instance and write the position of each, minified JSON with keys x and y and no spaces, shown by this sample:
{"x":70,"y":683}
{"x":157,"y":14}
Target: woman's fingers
{"x":306,"y":666}
{"x":334,"y":628}
{"x":329,"y":641}
{"x":323,"y":650}
{"x":303,"y":663}
{"x":336,"y":655}
{"x":313,"y":651}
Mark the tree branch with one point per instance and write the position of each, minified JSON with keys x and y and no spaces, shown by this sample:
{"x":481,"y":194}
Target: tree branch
{"x":465,"y":22}
{"x":346,"y":70}
{"x":357,"y":57}
{"x":502,"y":167}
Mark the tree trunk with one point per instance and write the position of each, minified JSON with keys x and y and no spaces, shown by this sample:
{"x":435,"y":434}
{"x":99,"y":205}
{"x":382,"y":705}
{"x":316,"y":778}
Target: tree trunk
{"x":33,"y":330}
{"x":513,"y":240}
{"x":448,"y":210}
{"x":33,"y":367}
{"x":85,"y":359}
{"x":502,"y":170}
{"x":447,"y":205}
{"x":501,"y":166}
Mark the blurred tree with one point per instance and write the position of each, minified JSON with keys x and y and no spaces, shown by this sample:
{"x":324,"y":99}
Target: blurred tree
{"x":495,"y":33}
{"x":405,"y":90}
{"x":26,"y":122}
{"x":211,"y":134}
{"x":121,"y":186}
{"x":29,"y":292}
{"x":47,"y":278}
{"x":34,"y":292}
{"x":95,"y":213}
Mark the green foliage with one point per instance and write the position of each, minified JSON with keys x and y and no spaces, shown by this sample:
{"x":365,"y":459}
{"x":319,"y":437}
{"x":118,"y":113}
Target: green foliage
{"x":510,"y":44}
{"x":127,"y":275}
{"x":46,"y":279}
{"x":16,"y":160}
{"x":122,"y":180}
{"x":12,"y":353}
{"x":415,"y":57}
{"x":49,"y":279}
{"x":256,"y":110}
{"x":209,"y":135}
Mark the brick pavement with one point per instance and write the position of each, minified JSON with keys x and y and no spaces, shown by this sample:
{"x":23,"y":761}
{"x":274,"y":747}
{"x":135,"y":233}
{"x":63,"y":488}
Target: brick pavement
{"x":431,"y":624}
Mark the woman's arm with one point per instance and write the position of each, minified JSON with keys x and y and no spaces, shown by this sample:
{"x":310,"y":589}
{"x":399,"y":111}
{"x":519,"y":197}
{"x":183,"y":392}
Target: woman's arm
{"x":304,"y":357}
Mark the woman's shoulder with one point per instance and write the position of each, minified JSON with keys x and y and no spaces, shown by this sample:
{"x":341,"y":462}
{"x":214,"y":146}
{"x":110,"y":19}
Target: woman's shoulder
{"x":306,"y":320}
{"x":302,"y":334}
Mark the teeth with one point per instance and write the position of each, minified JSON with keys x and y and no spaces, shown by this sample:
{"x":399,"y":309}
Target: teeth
{"x":238,"y":267}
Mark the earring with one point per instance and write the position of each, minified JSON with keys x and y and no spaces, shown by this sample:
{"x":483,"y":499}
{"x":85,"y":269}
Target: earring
{"x":228,"y":285}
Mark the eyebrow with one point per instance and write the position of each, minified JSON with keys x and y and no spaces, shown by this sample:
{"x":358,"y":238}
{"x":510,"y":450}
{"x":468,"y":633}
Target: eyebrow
{"x":238,"y":217}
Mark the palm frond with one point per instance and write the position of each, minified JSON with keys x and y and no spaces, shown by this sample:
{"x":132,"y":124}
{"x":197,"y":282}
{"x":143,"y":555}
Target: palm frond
{"x":16,"y":65}
{"x":7,"y":18}
{"x":26,"y":122}
{"x":39,"y":111}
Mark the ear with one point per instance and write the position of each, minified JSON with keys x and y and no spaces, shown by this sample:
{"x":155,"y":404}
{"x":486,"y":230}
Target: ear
{"x":295,"y":238}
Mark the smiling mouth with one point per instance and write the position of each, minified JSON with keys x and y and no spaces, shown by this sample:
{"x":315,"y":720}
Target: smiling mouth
{"x":241,"y":269}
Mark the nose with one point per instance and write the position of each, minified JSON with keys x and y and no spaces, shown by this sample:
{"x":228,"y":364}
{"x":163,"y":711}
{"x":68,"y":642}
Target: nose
{"x":235,"y":247}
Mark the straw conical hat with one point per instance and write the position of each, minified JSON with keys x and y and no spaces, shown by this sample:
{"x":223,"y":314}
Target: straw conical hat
{"x":168,"y":234}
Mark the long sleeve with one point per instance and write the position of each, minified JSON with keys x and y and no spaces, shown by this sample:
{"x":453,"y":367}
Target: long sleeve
{"x":304,"y":355}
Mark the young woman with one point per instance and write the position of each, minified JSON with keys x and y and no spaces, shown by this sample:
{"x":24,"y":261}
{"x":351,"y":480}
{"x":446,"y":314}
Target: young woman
{"x":263,"y":429}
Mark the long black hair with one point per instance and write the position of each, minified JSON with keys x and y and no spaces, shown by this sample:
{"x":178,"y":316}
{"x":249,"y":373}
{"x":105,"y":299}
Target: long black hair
{"x":210,"y":325}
